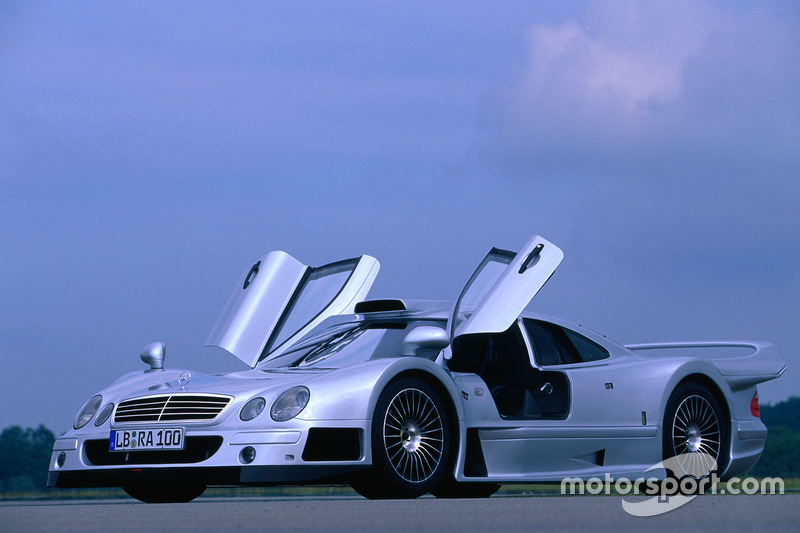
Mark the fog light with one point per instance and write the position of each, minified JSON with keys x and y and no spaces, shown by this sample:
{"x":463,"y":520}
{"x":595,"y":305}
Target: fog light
{"x":62,"y":458}
{"x":247,"y":455}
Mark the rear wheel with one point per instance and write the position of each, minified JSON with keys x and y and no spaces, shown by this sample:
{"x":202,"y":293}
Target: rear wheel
{"x":410,"y":443}
{"x":165,"y":492}
{"x":695,"y":433}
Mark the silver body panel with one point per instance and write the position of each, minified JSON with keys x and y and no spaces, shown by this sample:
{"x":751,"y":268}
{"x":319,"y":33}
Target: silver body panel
{"x":610,"y":419}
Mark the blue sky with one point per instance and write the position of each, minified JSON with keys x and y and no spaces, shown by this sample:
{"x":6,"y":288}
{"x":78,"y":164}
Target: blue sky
{"x":151,"y":152}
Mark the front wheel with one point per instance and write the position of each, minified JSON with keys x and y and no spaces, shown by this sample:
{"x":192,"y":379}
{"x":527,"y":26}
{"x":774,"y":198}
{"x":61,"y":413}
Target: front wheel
{"x":410,"y":443}
{"x":695,"y":433}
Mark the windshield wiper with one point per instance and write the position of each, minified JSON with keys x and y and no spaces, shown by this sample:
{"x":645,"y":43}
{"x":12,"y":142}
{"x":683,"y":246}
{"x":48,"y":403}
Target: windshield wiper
{"x":322,"y":347}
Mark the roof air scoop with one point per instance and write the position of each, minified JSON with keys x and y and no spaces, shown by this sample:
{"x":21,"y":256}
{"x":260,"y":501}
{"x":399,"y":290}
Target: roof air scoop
{"x":153,"y":354}
{"x":379,"y":306}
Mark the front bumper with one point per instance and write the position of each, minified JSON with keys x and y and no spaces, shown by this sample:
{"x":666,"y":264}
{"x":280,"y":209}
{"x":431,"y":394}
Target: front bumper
{"x":220,"y":476}
{"x":305,"y":452}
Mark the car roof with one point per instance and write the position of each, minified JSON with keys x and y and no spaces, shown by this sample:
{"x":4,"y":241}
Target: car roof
{"x":431,"y":310}
{"x":434,"y":310}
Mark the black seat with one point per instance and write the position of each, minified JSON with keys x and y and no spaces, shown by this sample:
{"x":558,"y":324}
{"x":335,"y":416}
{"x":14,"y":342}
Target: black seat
{"x":501,"y":360}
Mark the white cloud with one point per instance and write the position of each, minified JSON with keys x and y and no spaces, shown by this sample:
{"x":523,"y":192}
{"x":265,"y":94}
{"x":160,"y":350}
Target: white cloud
{"x":614,"y":81}
{"x":648,"y":82}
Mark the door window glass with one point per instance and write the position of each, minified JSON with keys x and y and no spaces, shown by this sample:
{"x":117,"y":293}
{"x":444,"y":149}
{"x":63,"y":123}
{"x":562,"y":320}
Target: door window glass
{"x":554,"y":345}
{"x":482,"y":281}
{"x":319,"y":289}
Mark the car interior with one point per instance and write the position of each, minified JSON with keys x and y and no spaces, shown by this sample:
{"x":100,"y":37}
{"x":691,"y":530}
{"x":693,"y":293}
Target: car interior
{"x":519,"y":390}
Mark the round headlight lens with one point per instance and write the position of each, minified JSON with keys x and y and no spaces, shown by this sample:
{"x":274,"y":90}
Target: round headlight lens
{"x":87,"y":412}
{"x":289,"y":404}
{"x":252,"y":409}
{"x":104,"y":414}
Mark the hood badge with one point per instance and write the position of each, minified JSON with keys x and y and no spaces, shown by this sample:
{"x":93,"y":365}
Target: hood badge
{"x":184,"y":379}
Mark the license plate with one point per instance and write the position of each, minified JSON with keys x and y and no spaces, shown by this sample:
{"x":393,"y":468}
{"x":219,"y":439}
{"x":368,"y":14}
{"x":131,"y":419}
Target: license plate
{"x":125,"y":440}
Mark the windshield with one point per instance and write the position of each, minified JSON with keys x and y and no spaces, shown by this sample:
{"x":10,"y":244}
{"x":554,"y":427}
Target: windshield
{"x":347,"y":344}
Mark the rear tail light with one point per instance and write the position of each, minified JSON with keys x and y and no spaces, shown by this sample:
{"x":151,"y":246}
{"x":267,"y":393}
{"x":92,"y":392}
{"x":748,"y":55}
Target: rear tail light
{"x":755,"y":409}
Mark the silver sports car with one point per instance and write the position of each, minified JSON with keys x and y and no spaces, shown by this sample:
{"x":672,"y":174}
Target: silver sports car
{"x":400,"y":398}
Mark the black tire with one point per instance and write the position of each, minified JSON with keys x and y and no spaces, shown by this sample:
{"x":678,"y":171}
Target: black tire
{"x":450,"y":488}
{"x":165,"y":492}
{"x":410,"y":443}
{"x":694,"y":432}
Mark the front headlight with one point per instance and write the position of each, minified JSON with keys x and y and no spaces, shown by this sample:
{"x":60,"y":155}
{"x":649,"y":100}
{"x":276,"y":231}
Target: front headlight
{"x":252,"y":409}
{"x":289,"y":404}
{"x":87,"y":412}
{"x":104,"y":414}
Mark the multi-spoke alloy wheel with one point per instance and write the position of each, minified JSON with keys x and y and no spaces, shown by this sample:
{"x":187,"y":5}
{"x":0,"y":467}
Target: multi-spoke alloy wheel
{"x":410,"y":442}
{"x":413,"y":435}
{"x":695,"y":434}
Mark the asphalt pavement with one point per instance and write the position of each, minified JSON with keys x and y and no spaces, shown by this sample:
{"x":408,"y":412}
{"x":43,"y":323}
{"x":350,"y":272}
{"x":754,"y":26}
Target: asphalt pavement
{"x":517,"y":513}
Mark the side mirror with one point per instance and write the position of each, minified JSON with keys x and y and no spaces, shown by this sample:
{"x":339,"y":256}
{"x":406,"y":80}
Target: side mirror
{"x":425,"y":338}
{"x":153,"y":354}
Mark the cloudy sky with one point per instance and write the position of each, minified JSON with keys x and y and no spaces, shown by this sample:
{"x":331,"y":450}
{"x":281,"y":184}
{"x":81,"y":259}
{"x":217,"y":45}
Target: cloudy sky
{"x":151,"y":152}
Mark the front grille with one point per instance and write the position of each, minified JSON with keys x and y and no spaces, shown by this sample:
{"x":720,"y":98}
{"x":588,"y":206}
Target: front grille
{"x":171,"y":408}
{"x":197,"y":449}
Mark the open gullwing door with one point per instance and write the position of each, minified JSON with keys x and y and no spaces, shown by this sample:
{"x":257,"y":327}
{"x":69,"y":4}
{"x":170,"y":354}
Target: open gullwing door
{"x":502,"y":286}
{"x":279,"y":299}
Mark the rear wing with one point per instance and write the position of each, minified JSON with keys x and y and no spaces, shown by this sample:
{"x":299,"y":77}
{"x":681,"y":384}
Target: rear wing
{"x":764,"y":363}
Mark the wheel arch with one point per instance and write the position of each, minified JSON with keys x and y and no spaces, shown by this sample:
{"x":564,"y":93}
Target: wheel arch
{"x":713,"y":388}
{"x":424,"y":370}
{"x":437,"y":385}
{"x":693,"y":371}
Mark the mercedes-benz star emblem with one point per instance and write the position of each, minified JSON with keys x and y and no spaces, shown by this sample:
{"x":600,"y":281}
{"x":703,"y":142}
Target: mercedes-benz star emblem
{"x":184,"y":379}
